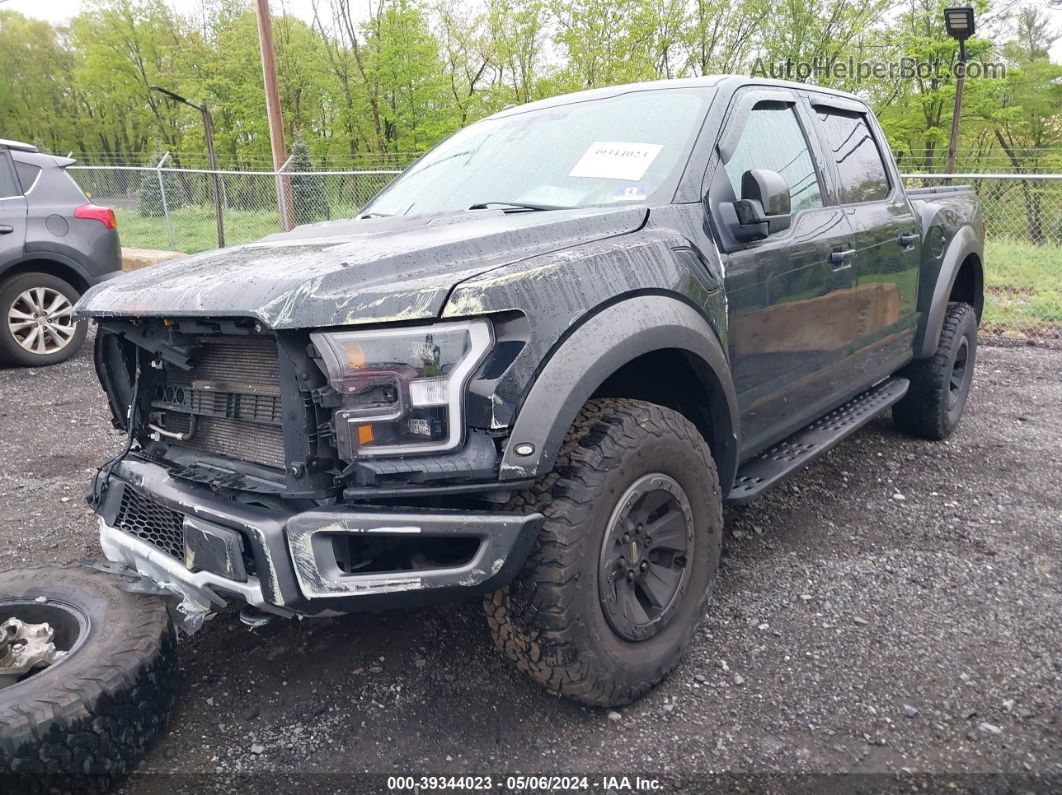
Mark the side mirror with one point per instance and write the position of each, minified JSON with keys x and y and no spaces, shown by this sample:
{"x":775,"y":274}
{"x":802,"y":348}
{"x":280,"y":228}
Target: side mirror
{"x":764,"y":207}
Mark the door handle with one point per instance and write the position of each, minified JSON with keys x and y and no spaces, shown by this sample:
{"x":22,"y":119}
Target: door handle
{"x":840,"y":259}
{"x":907,"y":239}
{"x":6,"y":230}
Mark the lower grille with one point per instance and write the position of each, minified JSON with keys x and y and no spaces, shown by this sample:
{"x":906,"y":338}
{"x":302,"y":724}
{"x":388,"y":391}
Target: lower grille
{"x":144,"y":518}
{"x":233,"y":391}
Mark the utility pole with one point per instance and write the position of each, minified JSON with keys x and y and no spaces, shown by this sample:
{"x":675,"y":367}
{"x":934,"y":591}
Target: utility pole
{"x":276,"y":126}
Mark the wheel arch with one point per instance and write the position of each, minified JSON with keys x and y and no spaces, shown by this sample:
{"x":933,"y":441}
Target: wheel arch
{"x":649,"y":347}
{"x":961,"y":277}
{"x":57,"y":266}
{"x":968,"y":285}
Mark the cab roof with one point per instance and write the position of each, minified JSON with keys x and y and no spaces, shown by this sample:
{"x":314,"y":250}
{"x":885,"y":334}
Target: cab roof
{"x":707,"y":81}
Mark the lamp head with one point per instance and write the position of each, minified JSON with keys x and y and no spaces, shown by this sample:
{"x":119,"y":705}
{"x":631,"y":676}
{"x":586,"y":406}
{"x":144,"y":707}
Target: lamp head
{"x":959,"y":22}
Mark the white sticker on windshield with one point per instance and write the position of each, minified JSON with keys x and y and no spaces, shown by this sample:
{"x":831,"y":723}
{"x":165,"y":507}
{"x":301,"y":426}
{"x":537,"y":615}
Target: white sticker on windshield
{"x":616,"y":160}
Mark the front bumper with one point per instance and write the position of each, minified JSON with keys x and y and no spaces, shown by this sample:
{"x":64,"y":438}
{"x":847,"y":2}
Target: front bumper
{"x":208,"y":548}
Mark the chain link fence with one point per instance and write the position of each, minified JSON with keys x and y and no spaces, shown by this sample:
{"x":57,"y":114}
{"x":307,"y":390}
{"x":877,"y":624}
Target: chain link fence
{"x":173,"y":209}
{"x":1023,"y":252}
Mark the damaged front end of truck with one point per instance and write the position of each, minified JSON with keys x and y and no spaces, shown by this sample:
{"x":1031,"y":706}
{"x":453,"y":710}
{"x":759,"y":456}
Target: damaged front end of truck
{"x":301,"y":472}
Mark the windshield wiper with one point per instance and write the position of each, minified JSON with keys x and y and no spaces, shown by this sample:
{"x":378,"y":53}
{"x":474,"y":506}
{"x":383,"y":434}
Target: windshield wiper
{"x":376,"y":215}
{"x":518,"y":206}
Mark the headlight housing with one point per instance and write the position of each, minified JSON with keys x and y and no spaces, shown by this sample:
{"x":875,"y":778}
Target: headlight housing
{"x":402,"y":389}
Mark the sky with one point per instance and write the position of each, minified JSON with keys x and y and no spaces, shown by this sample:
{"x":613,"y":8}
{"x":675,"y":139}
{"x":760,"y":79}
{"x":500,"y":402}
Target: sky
{"x":62,"y":10}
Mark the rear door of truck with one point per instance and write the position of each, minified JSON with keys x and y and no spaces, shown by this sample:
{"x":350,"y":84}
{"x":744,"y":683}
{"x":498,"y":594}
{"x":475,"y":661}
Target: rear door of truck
{"x":887,"y":237}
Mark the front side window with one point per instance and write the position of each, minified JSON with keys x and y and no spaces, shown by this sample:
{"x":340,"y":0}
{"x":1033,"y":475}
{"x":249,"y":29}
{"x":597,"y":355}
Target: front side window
{"x":772,"y":139}
{"x":616,"y":150}
{"x":859,"y":165}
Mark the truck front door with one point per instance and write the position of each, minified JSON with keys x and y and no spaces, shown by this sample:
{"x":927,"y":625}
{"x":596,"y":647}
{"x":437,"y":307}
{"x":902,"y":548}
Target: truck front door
{"x":788,"y":295}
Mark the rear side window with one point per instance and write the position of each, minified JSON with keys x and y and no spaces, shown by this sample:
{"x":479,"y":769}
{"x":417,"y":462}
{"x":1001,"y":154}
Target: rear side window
{"x":8,"y":185}
{"x":27,"y":175}
{"x":772,"y":139}
{"x":860,"y":167}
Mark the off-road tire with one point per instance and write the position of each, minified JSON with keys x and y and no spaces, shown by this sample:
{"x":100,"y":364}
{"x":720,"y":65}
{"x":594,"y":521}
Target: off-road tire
{"x":84,"y":722}
{"x":924,"y":411}
{"x":549,"y":620}
{"x":13,"y":353}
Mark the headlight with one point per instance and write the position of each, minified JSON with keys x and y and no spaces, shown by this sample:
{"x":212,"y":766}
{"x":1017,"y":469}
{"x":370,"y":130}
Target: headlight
{"x":402,"y":389}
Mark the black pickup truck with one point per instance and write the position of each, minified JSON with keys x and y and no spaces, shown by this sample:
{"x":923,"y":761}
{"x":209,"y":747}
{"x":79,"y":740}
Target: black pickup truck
{"x":535,"y":368}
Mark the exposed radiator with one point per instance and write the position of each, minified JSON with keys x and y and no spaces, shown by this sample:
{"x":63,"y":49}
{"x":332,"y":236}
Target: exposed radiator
{"x":233,"y":392}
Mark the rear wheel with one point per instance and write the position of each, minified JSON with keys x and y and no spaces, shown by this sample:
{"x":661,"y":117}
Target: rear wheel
{"x":37,"y":323}
{"x":940,"y":385}
{"x":88,"y":674}
{"x":618,"y":580}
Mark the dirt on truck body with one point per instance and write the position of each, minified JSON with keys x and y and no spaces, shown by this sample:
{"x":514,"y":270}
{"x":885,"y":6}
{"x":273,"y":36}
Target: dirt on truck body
{"x":534,"y":368}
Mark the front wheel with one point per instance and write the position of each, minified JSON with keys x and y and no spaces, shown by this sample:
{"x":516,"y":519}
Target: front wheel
{"x":625,"y":562}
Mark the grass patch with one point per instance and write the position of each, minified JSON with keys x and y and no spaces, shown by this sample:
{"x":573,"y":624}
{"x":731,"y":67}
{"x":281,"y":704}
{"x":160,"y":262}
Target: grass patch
{"x":194,"y":229}
{"x":1023,"y":289}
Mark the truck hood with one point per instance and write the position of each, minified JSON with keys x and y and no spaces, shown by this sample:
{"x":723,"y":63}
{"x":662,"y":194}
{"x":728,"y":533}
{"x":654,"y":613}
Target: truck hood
{"x":351,"y":272}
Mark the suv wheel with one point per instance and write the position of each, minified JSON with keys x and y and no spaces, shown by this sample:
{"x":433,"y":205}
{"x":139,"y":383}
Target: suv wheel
{"x":618,"y":579}
{"x":940,"y":385}
{"x":37,"y":324}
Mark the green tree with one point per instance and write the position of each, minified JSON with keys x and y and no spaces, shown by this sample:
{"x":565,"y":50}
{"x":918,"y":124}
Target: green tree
{"x":605,"y":41}
{"x":1024,"y":112}
{"x":150,"y":191}
{"x":370,"y":91}
{"x":408,"y":77}
{"x":308,"y":197}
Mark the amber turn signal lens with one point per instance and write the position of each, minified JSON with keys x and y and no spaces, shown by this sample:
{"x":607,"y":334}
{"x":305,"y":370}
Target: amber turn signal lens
{"x":355,"y":358}
{"x":365,"y":435}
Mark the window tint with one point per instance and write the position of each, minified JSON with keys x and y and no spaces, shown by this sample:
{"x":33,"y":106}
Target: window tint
{"x":8,"y":186}
{"x":772,"y":139}
{"x":27,"y":175}
{"x":859,"y":164}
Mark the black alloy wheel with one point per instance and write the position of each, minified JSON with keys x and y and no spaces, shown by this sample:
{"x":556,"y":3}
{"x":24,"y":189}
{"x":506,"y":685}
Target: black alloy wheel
{"x":645,"y":555}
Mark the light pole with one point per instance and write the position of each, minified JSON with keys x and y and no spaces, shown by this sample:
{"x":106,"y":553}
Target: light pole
{"x":208,"y":130}
{"x":959,"y":22}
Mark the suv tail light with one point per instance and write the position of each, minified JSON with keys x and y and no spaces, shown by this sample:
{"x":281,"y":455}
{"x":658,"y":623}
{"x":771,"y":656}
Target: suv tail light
{"x":92,"y":212}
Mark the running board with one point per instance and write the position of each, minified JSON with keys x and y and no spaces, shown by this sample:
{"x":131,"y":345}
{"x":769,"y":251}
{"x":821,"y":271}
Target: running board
{"x":797,"y":451}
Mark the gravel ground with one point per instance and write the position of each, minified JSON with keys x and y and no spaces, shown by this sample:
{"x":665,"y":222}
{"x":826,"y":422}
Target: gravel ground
{"x":896,"y":607}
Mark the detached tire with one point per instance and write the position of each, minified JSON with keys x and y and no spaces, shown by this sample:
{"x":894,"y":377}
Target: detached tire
{"x":625,"y":562}
{"x":87,"y":719}
{"x":940,"y":385}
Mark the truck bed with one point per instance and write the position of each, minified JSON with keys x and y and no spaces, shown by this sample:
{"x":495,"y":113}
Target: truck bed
{"x":926,"y":193}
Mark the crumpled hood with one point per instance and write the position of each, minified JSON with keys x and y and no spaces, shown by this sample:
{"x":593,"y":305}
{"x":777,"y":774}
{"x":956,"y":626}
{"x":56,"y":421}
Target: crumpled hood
{"x":350,"y":272}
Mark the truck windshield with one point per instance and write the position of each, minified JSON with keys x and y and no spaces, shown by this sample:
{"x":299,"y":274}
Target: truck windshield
{"x":620,"y":149}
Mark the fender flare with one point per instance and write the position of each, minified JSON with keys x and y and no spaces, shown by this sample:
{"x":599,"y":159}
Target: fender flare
{"x":962,"y":246}
{"x":596,"y":349}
